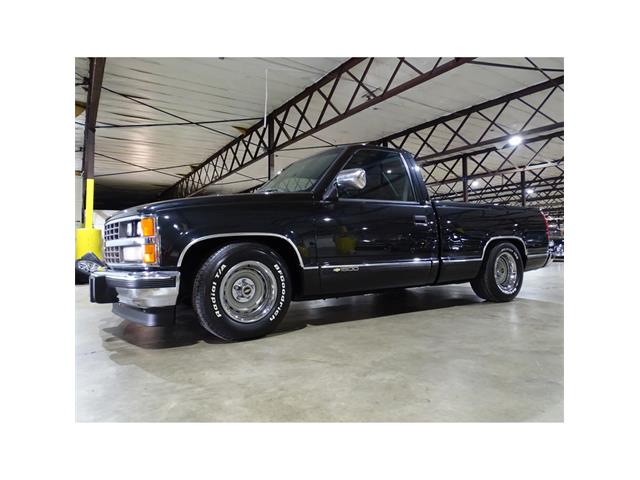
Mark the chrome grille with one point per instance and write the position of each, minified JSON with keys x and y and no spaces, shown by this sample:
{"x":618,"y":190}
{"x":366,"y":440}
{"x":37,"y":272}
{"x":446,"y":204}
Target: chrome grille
{"x":112,"y":231}
{"x":112,"y":254}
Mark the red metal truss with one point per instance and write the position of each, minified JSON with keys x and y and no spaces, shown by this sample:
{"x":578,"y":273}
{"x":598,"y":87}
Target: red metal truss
{"x":456,"y":175}
{"x":314,"y":109}
{"x":419,"y":139}
{"x":452,"y":155}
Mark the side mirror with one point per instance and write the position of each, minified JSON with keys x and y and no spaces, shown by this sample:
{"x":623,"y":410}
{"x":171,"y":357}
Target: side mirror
{"x":354,"y":178}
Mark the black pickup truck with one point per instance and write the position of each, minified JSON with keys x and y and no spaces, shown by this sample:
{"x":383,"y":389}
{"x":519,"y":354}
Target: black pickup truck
{"x":345,"y":221}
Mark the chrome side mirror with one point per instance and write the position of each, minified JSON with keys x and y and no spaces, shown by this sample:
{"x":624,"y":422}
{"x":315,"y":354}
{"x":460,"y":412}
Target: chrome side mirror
{"x":355,"y":178}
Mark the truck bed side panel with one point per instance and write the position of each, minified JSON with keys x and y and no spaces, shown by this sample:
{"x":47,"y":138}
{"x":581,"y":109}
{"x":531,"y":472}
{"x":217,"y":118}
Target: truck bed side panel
{"x":465,"y":230}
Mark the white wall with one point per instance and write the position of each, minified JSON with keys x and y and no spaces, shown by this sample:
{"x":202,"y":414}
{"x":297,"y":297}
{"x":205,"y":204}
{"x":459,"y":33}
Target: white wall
{"x":78,"y":211}
{"x":99,"y":216}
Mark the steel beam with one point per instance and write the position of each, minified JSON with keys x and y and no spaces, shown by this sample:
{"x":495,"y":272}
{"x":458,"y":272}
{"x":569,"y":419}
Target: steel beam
{"x":465,"y":179}
{"x":507,"y":171}
{"x":294,"y":120}
{"x":513,"y":195}
{"x":557,"y":128}
{"x":533,"y":203}
{"x":424,"y":130}
{"x":96,"y":74}
{"x":525,"y":143}
{"x":478,"y":160}
{"x":471,"y":157}
{"x":509,"y":185}
{"x":510,"y":179}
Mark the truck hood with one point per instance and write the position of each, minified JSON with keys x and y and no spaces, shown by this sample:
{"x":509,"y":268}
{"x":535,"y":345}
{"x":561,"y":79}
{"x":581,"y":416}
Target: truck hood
{"x":227,"y":201}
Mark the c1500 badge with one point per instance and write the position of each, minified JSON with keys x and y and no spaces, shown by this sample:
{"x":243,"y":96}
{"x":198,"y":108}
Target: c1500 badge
{"x":346,"y":269}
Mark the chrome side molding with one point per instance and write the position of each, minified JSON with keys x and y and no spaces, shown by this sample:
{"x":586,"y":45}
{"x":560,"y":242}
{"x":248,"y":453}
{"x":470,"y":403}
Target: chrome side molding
{"x":484,"y":250}
{"x":352,"y":267}
{"x":461,"y":260}
{"x":240,"y":234}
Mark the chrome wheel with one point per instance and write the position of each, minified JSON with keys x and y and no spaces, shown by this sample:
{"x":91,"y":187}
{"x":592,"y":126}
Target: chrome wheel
{"x":505,"y":272}
{"x":248,"y":291}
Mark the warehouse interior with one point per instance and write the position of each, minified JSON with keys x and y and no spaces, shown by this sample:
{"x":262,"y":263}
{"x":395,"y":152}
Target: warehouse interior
{"x":483,"y":130}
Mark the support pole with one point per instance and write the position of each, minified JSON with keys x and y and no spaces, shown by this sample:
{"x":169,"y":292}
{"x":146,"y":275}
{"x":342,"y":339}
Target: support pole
{"x":96,"y":73}
{"x":465,"y":179}
{"x":88,"y":239}
{"x":523,"y":192}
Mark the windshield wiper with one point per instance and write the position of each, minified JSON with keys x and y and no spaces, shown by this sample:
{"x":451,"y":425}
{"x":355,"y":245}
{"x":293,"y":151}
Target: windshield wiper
{"x":269,"y":190}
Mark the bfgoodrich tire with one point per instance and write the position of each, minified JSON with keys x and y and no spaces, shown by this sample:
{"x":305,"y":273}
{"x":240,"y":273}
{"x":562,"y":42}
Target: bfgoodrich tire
{"x":242,"y":291}
{"x":500,"y":277}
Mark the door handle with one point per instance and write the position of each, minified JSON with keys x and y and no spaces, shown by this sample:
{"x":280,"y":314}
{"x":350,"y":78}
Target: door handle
{"x":420,"y":219}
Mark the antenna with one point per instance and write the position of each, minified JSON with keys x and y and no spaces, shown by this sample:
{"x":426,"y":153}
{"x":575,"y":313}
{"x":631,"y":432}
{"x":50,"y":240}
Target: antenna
{"x":266,"y":94}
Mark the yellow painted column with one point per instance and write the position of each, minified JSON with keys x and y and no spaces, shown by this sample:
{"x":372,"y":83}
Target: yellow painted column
{"x":88,"y":213}
{"x":88,"y":239}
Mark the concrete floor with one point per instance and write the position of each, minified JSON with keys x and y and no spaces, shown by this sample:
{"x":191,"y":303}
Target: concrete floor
{"x":426,"y":354}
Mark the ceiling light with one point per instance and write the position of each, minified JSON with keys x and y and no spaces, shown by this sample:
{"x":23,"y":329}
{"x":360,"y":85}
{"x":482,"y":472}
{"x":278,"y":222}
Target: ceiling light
{"x":529,"y":191}
{"x":475,"y":184}
{"x":515,"y":140}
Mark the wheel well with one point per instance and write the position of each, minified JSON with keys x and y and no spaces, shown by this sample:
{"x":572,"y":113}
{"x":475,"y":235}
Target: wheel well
{"x":519,"y":244}
{"x":196,"y":255}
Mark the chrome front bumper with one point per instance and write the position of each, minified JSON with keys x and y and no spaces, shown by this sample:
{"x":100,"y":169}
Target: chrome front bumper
{"x":137,"y":289}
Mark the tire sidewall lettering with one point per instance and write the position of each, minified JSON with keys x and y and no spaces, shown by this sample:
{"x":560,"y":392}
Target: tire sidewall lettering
{"x":214,"y":290}
{"x":281,"y":284}
{"x":283,"y":290}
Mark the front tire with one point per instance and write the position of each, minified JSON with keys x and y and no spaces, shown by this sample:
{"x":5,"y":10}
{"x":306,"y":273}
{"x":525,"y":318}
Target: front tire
{"x":500,"y":277}
{"x":242,"y":291}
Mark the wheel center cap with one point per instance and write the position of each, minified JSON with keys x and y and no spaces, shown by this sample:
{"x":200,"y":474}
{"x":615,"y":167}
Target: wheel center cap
{"x":243,"y":289}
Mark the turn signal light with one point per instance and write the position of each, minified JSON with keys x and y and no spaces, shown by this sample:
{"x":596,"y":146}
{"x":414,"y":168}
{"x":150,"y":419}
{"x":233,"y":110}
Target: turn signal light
{"x":148,"y":227}
{"x":150,"y":253}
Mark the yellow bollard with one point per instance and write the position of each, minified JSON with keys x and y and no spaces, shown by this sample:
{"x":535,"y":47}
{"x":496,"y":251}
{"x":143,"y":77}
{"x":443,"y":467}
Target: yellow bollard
{"x":88,"y":240}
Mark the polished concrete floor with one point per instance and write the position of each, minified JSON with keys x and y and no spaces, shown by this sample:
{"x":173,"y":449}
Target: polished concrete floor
{"x":426,"y":354}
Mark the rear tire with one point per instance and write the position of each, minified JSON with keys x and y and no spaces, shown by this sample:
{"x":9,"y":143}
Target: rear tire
{"x":500,"y":277}
{"x":242,"y":291}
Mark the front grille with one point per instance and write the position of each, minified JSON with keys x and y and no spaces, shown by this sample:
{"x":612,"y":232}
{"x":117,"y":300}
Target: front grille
{"x":116,"y":239}
{"x":112,"y":231}
{"x":112,"y":254}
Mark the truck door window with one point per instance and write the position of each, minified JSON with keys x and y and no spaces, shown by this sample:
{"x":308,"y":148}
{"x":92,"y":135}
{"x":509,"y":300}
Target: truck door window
{"x":387,"y":177}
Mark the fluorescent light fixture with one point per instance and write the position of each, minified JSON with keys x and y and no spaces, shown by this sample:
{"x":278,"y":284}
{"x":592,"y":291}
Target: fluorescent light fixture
{"x":515,"y":140}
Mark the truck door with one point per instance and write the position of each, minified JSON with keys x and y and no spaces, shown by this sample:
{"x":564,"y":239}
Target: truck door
{"x":378,"y":236}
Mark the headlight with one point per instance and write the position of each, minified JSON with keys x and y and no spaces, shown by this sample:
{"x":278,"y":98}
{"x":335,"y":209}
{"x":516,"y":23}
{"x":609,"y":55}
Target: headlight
{"x":140,"y":253}
{"x":132,"y":254}
{"x":144,"y":242}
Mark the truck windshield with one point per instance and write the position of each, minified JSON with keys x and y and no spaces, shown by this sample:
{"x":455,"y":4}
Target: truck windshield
{"x":302,"y":175}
